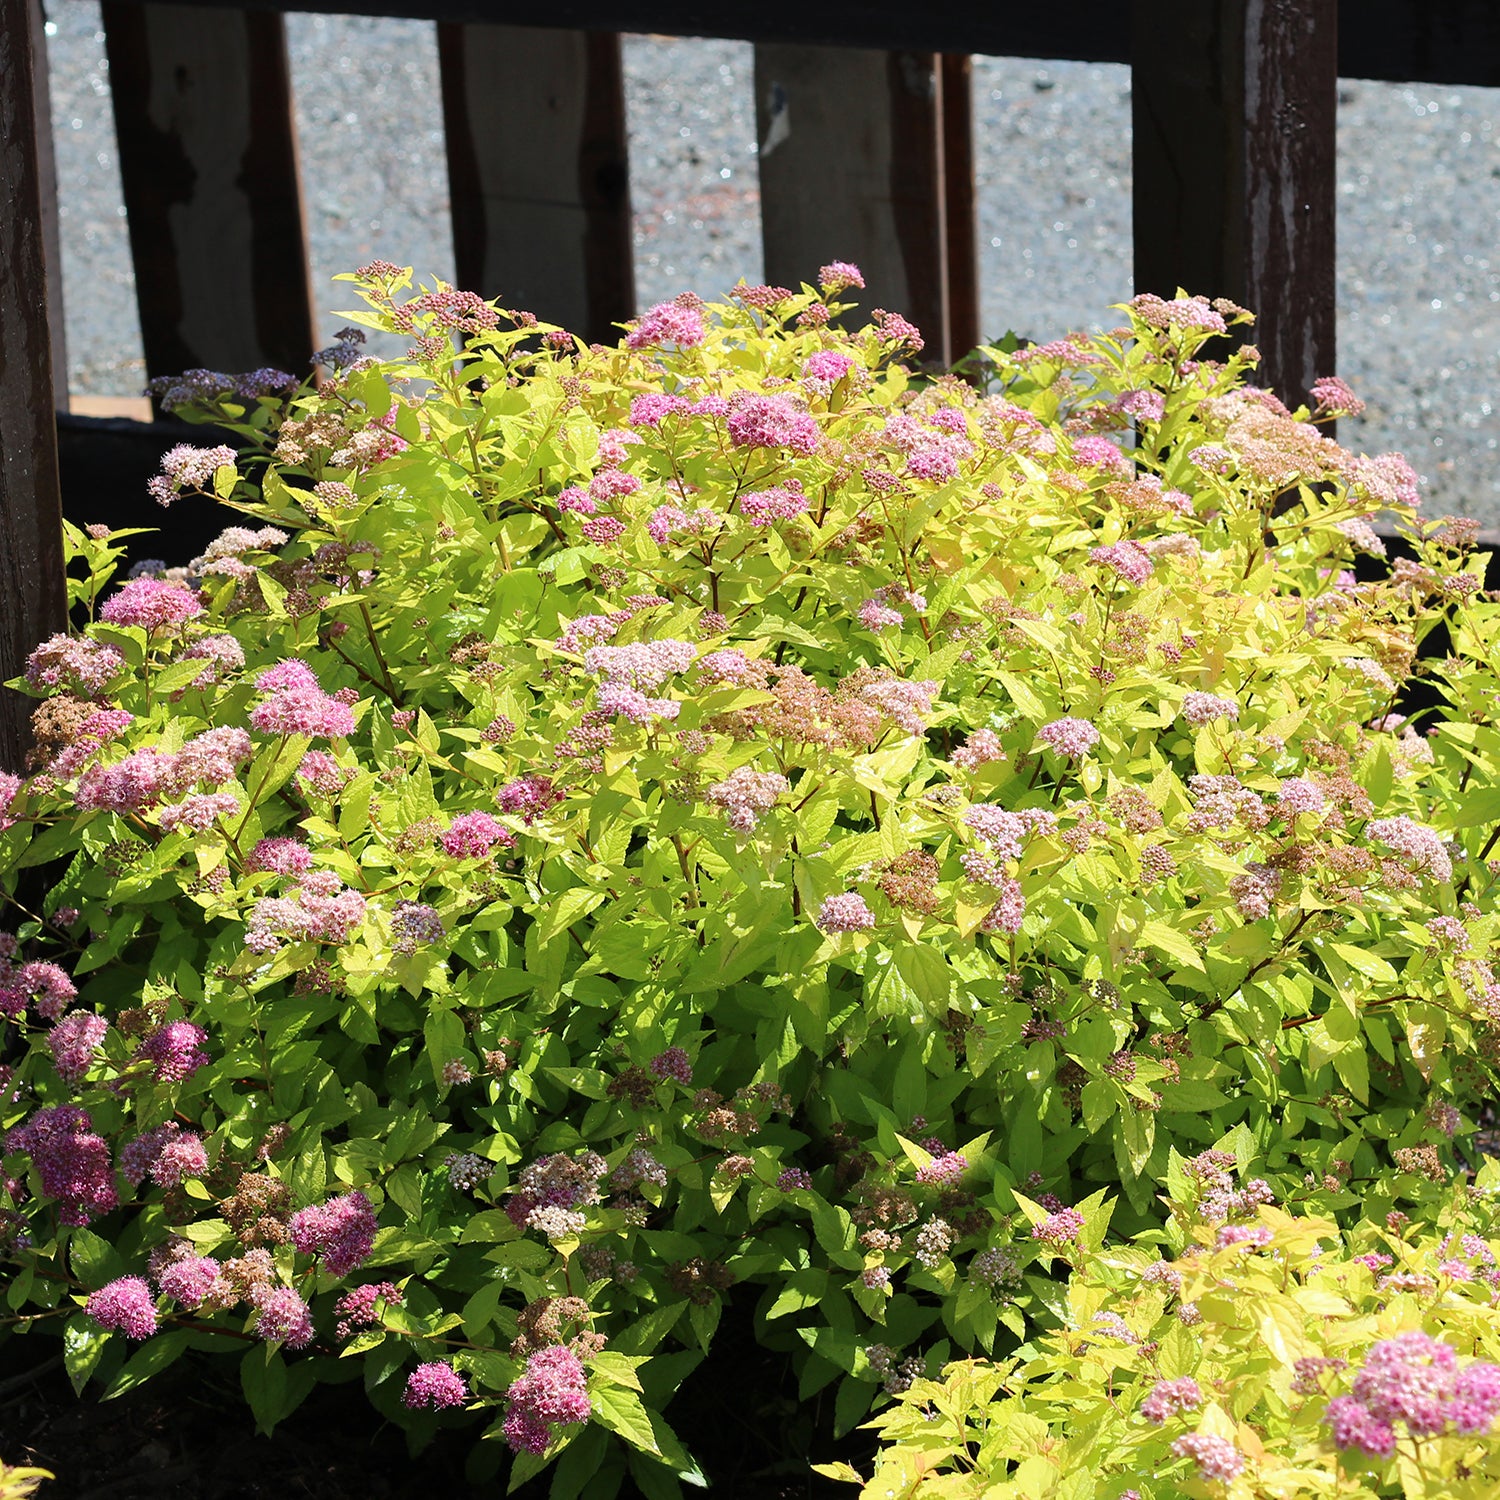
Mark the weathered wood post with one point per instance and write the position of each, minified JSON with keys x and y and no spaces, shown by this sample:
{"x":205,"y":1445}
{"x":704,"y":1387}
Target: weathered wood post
{"x":33,"y":594}
{"x":1234,"y":104}
{"x":538,"y":173}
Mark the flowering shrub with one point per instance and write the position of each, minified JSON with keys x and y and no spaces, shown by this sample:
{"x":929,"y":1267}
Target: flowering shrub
{"x":1289,"y":1358}
{"x":720,"y":822}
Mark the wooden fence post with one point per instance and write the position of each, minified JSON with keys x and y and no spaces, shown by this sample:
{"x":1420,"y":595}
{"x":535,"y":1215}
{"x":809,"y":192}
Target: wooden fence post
{"x":209,"y":163}
{"x":852,"y":168}
{"x":33,"y":593}
{"x":1234,"y":104}
{"x":46,"y":162}
{"x":537,"y":171}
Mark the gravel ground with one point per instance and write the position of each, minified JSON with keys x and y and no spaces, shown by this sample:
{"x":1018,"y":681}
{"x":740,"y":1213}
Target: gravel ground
{"x":1419,"y":210}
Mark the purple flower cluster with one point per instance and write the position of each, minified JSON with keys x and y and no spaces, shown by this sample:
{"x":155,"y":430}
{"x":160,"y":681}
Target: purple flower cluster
{"x":342,"y":1231}
{"x":552,"y":1393}
{"x":283,"y":1317}
{"x":320,"y":909}
{"x":1070,"y":737}
{"x":673,"y":1064}
{"x":71,"y":1160}
{"x":44,"y":986}
{"x":1414,"y":1379}
{"x":434,"y":1385}
{"x":167,"y":1153}
{"x":190,"y":1280}
{"x":73,"y":1041}
{"x":175,"y":1050}
{"x":279,"y":857}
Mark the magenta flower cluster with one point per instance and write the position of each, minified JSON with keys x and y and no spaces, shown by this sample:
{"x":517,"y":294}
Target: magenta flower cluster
{"x":124,"y":1306}
{"x":552,"y":1393}
{"x":71,"y":1159}
{"x":341,"y":1231}
{"x":434,"y":1385}
{"x":295,"y":703}
{"x":846,"y":912}
{"x":151,"y":604}
{"x":1169,"y":1397}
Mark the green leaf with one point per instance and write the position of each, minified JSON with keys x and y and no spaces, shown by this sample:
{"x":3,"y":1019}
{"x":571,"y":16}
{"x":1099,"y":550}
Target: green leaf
{"x":621,"y":1411}
{"x":263,"y":1380}
{"x":83,"y":1343}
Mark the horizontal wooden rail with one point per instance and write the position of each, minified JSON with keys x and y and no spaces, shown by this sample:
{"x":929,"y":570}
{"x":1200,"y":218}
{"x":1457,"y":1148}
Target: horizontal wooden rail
{"x":1419,"y":41}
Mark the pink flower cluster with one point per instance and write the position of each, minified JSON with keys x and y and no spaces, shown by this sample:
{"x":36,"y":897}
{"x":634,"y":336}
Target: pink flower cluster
{"x":359,"y":1308}
{"x":1060,"y":1228}
{"x":1070,"y":737}
{"x":279,"y":857}
{"x":530,"y":796}
{"x":1099,"y":453}
{"x":1204,"y":708}
{"x":782,"y":503}
{"x":342,"y":1231}
{"x":667,"y":323}
{"x":667,"y":519}
{"x":166,"y":1153}
{"x":978,"y":749}
{"x":320,"y":910}
{"x":552,"y":1393}
{"x":189,"y":1280}
{"x":175,"y":1051}
{"x":124,"y":1306}
{"x":43,"y":986}
{"x":746,"y":796}
{"x":645,"y":664}
{"x":152,"y":604}
{"x":86,"y":666}
{"x":71,"y":1160}
{"x":434,"y":1385}
{"x":1128,"y":559}
{"x":673,"y":1064}
{"x":1168,"y":1397}
{"x":1333,"y":398}
{"x":943,"y":1170}
{"x":472,"y":835}
{"x":838,"y":276}
{"x":1416,"y":1380}
{"x":757,"y":421}
{"x":295,"y":703}
{"x":74,"y":1041}
{"x":847,"y":912}
{"x":283,"y":1317}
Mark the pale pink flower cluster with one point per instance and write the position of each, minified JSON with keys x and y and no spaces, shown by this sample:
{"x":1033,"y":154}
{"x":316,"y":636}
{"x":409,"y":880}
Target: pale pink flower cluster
{"x":322,"y":773}
{"x":784,"y":502}
{"x":1128,"y":559}
{"x":199,"y":812}
{"x":221,"y":654}
{"x":726,"y":666}
{"x":1144,"y":406}
{"x":340,"y":1231}
{"x":187,"y":468}
{"x":1333,"y":398}
{"x":1205,"y":708}
{"x":1297,"y":795}
{"x":980,"y":748}
{"x":1364,"y":536}
{"x":838,"y":276}
{"x":666,"y":520}
{"x":760,"y":421}
{"x":616,"y":700}
{"x":1421,"y":847}
{"x":1255,"y":891}
{"x":224,"y":556}
{"x":906,"y":703}
{"x":1070,"y":737}
{"x":847,"y":912}
{"x":1007,"y":914}
{"x":644,"y":664}
{"x":319,"y":909}
{"x":667,"y":323}
{"x":151,"y":604}
{"x":86,"y":666}
{"x":746,"y":796}
{"x":166,"y":1153}
{"x":1059,"y":1228}
{"x":1194,"y":313}
{"x":876,"y":615}
{"x":147,"y":776}
{"x":295,"y":703}
{"x":1216,"y":1457}
{"x":1099,"y":453}
{"x":551,"y":1393}
{"x":279,"y":857}
{"x":1219,"y":802}
{"x":1386,"y":480}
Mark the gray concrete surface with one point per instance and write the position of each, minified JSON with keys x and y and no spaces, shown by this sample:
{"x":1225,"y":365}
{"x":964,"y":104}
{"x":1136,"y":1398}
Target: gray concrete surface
{"x":1419,"y":210}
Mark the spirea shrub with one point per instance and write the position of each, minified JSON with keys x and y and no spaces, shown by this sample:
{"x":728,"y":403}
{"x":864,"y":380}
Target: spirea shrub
{"x":1283,"y":1357}
{"x":725,"y":821}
